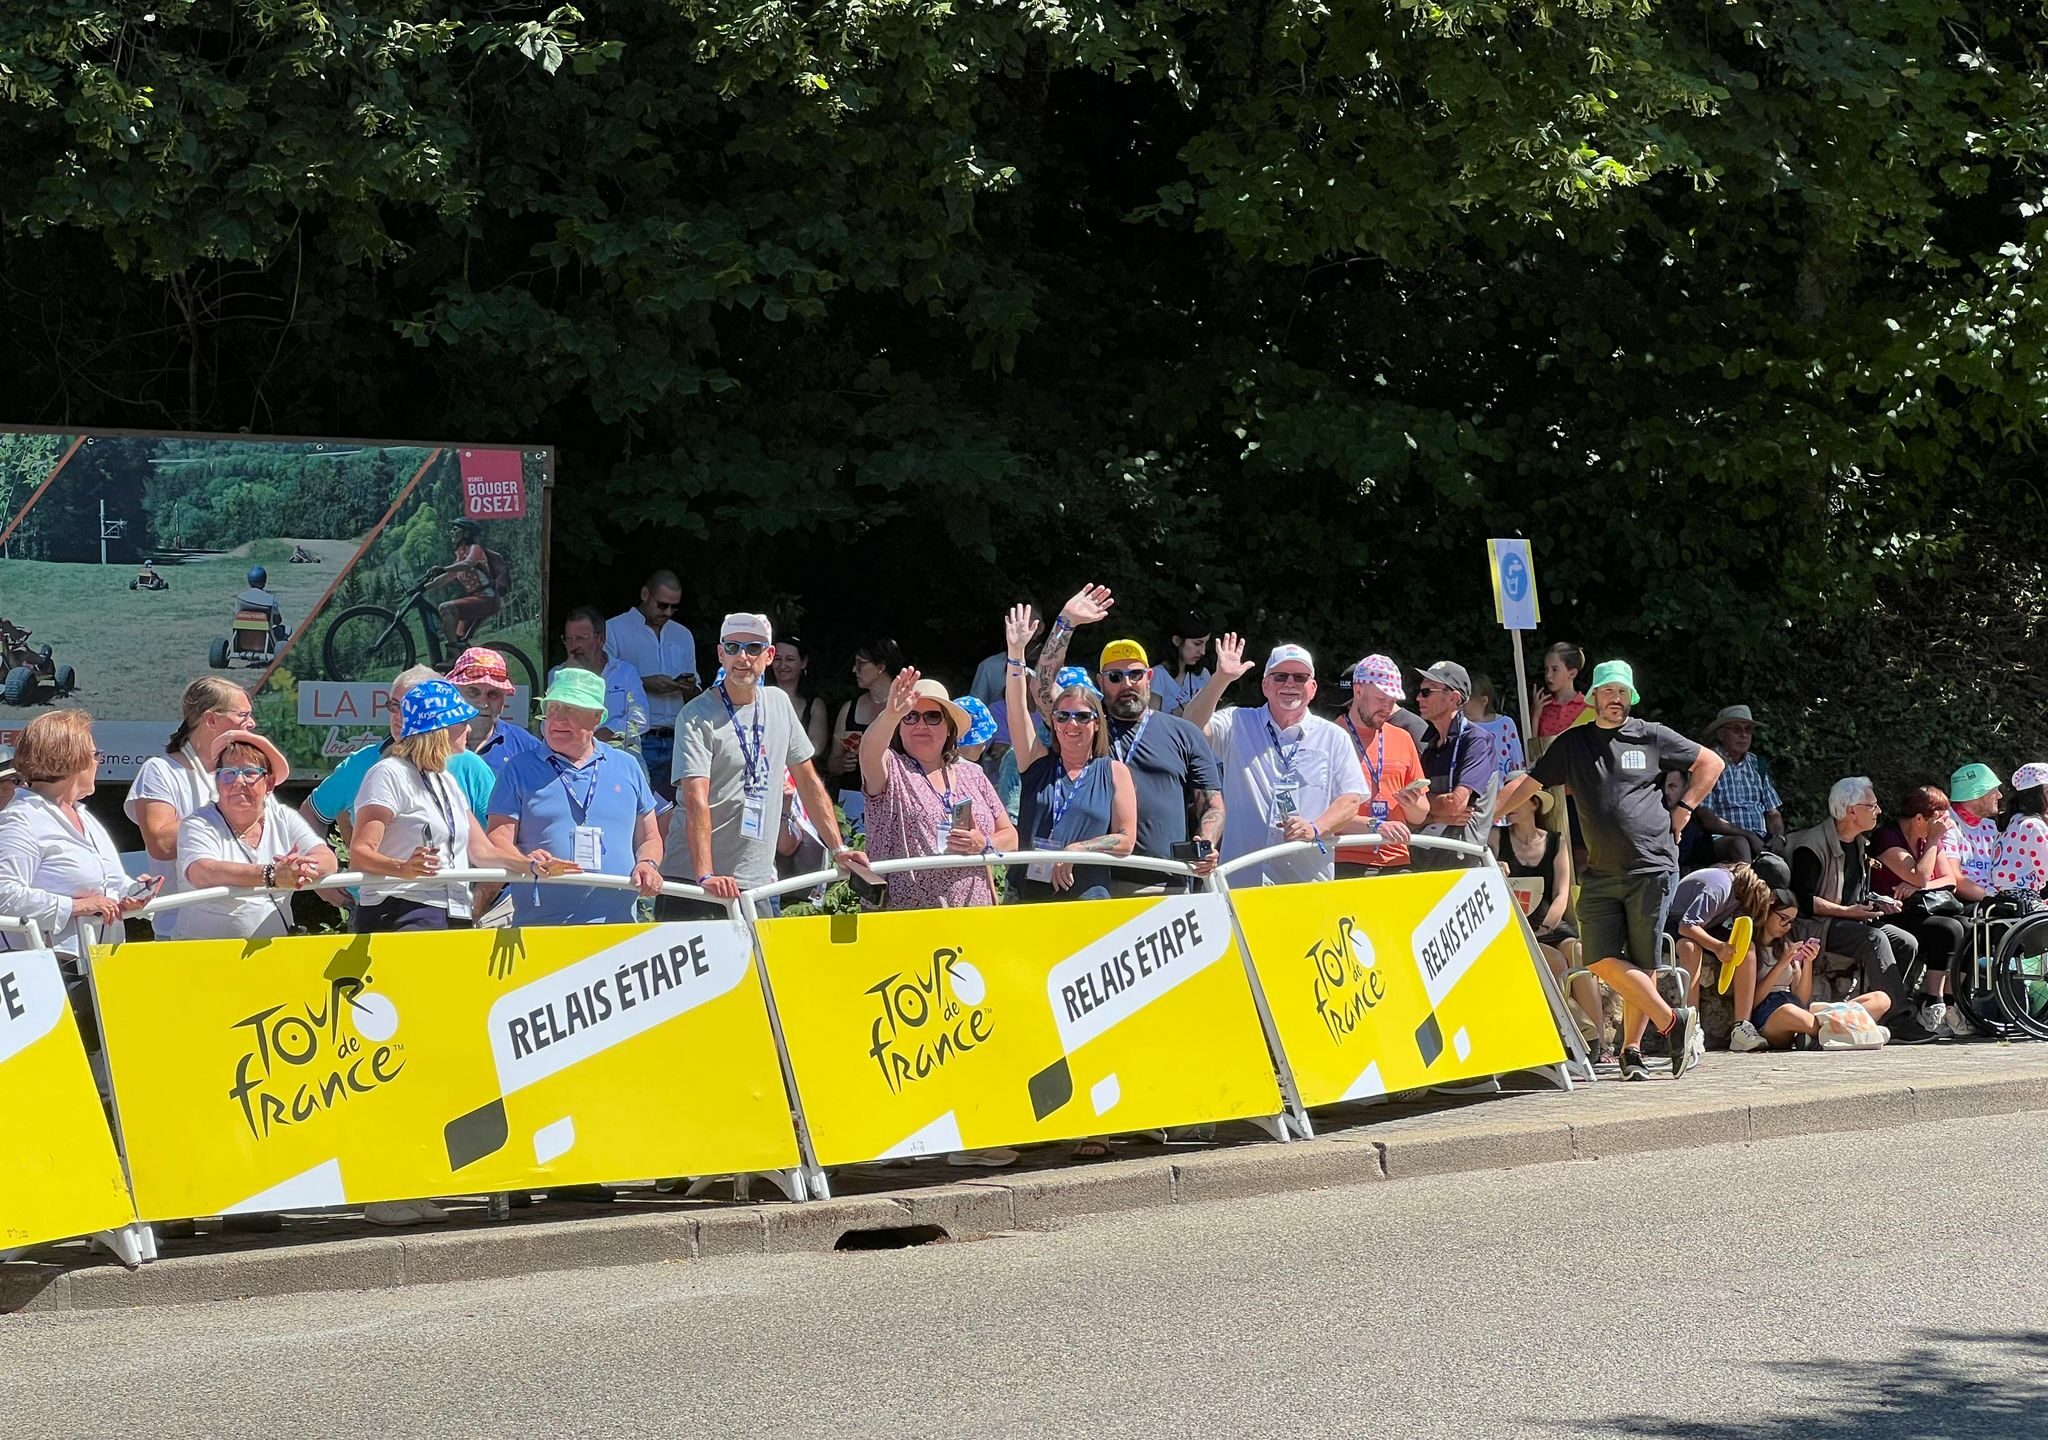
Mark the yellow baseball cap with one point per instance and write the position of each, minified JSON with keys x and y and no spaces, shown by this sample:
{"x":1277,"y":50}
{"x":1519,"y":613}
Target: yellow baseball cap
{"x":1117,"y":650}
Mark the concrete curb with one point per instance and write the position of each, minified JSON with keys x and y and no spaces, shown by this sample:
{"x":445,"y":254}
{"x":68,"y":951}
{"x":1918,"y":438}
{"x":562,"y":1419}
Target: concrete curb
{"x":1459,"y":1141}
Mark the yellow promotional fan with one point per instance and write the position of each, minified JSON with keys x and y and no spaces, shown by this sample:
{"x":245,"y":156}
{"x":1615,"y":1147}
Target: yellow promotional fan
{"x":1738,"y":945}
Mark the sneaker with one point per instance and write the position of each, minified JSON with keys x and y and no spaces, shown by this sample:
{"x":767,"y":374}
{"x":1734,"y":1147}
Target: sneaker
{"x":991,"y":1159}
{"x":1959,"y":1025}
{"x":1933,"y":1018}
{"x":1745,"y":1038}
{"x":1655,"y":1045}
{"x":1632,"y":1066}
{"x":1688,"y":1041}
{"x":394,"y":1212}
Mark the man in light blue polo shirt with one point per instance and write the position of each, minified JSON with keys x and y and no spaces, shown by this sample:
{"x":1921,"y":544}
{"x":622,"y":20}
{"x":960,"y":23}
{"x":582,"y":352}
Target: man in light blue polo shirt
{"x":578,"y":800}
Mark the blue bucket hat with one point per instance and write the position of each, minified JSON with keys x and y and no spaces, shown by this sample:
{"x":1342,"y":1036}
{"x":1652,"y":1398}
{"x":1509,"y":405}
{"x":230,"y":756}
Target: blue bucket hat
{"x":1071,"y":676}
{"x":983,"y":729}
{"x":432,"y":705}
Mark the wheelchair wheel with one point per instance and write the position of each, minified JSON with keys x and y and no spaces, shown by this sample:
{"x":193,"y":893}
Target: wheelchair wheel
{"x":2019,"y":976}
{"x":1971,"y":991}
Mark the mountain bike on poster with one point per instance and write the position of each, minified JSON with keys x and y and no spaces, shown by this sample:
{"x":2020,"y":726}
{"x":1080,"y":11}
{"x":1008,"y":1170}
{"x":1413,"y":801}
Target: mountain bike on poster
{"x":366,"y":641}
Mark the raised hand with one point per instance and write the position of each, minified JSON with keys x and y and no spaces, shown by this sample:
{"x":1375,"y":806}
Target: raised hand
{"x":1090,"y":605}
{"x":1018,"y":626}
{"x":1230,"y":661}
{"x":903,"y":692}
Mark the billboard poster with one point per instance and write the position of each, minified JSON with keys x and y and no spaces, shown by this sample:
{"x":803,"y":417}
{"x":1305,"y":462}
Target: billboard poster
{"x":310,"y":572}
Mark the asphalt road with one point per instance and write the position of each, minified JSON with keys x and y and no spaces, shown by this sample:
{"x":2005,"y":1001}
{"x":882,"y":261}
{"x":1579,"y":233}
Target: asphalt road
{"x":1709,"y":1292}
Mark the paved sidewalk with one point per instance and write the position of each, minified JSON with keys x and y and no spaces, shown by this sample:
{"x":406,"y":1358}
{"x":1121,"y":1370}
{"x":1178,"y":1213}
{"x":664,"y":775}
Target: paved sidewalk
{"x":1731,"y":1098}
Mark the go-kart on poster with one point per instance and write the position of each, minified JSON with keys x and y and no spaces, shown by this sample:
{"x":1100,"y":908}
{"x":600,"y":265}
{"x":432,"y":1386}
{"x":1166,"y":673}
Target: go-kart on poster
{"x":307,"y":571}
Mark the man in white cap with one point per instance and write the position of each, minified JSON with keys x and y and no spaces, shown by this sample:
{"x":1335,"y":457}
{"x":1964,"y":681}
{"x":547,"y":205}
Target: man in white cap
{"x":1396,"y":789}
{"x":1287,"y":774}
{"x":733,"y":744}
{"x":1743,"y":810}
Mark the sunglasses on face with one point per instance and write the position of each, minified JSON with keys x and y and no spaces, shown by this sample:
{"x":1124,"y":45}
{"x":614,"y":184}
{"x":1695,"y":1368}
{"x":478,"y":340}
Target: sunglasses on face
{"x":664,"y":604}
{"x":241,"y":774}
{"x":1073,"y":717}
{"x":925,"y":717}
{"x":743,"y":647}
{"x":1423,"y":692}
{"x":1125,"y":677}
{"x":1291,"y":678}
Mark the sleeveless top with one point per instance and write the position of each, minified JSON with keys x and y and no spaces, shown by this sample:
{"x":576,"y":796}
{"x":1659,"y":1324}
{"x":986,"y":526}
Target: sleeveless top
{"x":1543,"y":870}
{"x":1085,"y":806}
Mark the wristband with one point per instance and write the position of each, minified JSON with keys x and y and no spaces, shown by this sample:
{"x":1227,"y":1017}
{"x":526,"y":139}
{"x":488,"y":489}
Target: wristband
{"x":1016,"y":664}
{"x":1059,"y":622}
{"x":1685,"y":805}
{"x":701,"y":879}
{"x":270,"y":875}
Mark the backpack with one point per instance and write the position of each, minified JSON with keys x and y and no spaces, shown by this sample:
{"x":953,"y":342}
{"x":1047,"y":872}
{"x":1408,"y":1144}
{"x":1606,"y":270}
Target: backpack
{"x":501,"y":572}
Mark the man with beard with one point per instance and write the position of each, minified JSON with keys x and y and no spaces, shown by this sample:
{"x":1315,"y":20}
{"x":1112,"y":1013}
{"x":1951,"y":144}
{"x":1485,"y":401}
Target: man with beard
{"x":1396,"y":795}
{"x":1171,"y":765}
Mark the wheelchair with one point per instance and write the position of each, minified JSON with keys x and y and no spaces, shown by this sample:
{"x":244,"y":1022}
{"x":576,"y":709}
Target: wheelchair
{"x":1999,"y":979}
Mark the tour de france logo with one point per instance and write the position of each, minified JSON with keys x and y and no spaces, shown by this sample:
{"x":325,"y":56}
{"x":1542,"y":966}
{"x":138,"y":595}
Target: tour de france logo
{"x":1348,"y":986}
{"x":926,"y":1017}
{"x":302,"y":1060}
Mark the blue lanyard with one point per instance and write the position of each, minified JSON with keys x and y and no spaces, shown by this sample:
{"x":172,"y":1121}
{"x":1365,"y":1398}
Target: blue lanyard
{"x":579,"y":812}
{"x":1456,"y":746}
{"x":1286,"y":755}
{"x":1126,"y":745}
{"x":1063,"y":793}
{"x":1376,"y":766}
{"x":751,"y":759}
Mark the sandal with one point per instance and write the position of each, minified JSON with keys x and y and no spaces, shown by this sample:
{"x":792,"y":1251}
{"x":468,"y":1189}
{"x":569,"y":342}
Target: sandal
{"x":1091,"y":1149}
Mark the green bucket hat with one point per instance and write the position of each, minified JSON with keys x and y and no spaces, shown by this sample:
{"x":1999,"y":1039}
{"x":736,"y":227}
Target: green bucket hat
{"x":1973,"y":782}
{"x":579,"y":688}
{"x":1615,"y":672}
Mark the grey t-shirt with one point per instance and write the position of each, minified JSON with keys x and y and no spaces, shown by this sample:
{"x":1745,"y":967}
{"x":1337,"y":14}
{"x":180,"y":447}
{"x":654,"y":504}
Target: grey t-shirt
{"x":717,"y":744}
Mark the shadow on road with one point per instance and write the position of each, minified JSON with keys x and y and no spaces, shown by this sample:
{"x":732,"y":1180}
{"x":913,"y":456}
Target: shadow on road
{"x":1949,"y":1383}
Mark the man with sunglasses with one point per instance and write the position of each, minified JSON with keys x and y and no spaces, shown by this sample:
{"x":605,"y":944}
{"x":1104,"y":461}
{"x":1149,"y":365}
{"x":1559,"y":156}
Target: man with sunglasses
{"x":1458,"y":761}
{"x":1287,"y":774}
{"x":1172,"y":767}
{"x":663,"y":650}
{"x":734,"y":743}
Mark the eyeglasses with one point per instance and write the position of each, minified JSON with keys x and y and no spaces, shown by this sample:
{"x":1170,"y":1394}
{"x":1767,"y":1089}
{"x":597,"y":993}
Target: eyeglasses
{"x":241,"y":774}
{"x":1290,"y":677}
{"x":925,"y":717}
{"x":664,"y":604}
{"x":1073,"y":717}
{"x":1125,"y":677}
{"x":748,"y":648}
{"x":246,"y":720}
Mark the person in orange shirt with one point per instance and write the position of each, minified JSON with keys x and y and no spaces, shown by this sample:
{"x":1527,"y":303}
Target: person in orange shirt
{"x":1397,"y":794}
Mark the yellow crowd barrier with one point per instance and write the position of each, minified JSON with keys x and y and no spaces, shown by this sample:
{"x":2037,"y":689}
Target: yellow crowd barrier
{"x":59,"y":1175}
{"x":322,"y":1071}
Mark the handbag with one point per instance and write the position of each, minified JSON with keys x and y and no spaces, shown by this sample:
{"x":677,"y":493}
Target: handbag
{"x":1932,"y":904}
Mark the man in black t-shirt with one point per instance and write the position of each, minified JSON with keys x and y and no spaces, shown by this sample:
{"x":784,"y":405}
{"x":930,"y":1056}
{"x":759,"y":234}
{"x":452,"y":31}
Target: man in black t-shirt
{"x":1615,"y":769}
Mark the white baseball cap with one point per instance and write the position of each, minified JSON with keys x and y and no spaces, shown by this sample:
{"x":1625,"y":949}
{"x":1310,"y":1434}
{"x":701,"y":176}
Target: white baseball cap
{"x":741,"y":623}
{"x":1289,"y":652}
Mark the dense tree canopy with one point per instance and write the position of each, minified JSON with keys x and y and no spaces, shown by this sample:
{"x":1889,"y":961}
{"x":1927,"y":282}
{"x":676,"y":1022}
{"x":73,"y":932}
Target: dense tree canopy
{"x":878,"y":314}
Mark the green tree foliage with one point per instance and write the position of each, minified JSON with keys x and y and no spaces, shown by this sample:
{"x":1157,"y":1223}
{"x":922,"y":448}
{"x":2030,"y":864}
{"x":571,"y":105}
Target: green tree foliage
{"x":876,"y":315}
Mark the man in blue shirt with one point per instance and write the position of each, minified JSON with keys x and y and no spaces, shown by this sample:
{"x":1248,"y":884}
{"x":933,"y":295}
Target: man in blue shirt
{"x":1457,"y":760}
{"x":578,"y":800}
{"x":481,"y":676}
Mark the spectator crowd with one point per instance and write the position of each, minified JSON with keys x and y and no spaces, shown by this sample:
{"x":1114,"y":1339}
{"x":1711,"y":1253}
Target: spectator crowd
{"x":1633,"y":849}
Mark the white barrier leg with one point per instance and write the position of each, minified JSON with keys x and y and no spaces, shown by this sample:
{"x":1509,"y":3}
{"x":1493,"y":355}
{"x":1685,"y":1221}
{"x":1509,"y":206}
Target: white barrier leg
{"x":1293,"y":1122}
{"x":133,"y":1244}
{"x":806,"y":1182}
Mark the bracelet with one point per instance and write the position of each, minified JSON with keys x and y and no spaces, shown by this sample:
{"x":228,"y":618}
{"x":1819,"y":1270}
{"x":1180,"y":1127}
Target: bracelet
{"x":1016,"y":664}
{"x":1059,"y":622}
{"x":1685,"y":805}
{"x":270,"y":875}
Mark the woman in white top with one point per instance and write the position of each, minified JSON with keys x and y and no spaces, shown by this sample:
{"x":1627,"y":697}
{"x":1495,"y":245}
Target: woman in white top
{"x":178,"y":782}
{"x":412,"y":823}
{"x":246,"y":839}
{"x":57,"y":864}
